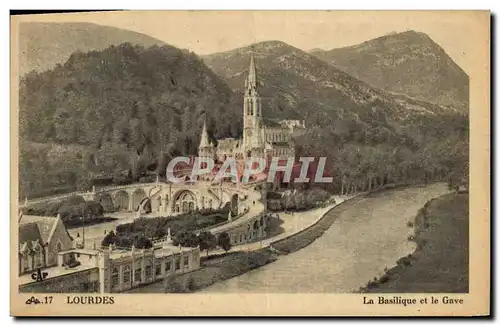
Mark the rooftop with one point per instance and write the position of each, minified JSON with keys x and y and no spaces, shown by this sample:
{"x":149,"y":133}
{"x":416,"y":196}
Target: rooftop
{"x":160,"y":251}
{"x":84,"y":251}
{"x":28,"y":224}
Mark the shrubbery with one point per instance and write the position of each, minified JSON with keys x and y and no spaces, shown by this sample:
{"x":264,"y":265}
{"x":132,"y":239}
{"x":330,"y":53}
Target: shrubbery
{"x":125,"y":241}
{"x":298,"y":200}
{"x":71,"y":208}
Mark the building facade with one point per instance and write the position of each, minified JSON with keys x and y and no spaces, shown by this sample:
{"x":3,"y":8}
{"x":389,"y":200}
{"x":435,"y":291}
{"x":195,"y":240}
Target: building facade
{"x":41,"y":238}
{"x":122,"y":270}
{"x":112,"y":270}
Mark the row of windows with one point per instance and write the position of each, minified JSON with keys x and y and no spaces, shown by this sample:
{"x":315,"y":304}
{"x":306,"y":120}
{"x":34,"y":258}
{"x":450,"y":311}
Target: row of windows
{"x":115,"y":275}
{"x":242,"y":237}
{"x":281,"y":151}
{"x":251,"y":233}
{"x":277,"y":137}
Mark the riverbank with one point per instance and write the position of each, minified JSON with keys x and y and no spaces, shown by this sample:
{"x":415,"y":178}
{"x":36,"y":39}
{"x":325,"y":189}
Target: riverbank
{"x":308,"y":235}
{"x":440,"y":262}
{"x":245,"y":258}
{"x":367,"y":234}
{"x":393,"y":208}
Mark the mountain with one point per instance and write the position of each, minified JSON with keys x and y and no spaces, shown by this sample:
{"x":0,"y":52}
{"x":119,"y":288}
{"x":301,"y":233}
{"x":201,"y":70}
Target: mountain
{"x":127,"y":106}
{"x":123,"y":112}
{"x":43,"y":45}
{"x":297,"y":85}
{"x":366,"y":133}
{"x":408,"y":63}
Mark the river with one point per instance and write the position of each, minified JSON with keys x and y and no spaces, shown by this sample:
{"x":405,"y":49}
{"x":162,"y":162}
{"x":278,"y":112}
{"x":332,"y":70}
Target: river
{"x":369,"y":235}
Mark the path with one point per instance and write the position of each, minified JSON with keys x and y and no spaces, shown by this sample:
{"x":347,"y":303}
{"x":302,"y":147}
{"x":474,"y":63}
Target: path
{"x":292,"y":224}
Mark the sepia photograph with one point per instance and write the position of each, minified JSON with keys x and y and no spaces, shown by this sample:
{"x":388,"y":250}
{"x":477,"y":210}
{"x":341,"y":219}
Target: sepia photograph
{"x":165,"y":158}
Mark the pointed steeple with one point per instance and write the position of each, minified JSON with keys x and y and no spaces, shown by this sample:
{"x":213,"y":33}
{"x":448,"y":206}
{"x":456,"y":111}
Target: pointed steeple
{"x":204,"y":142}
{"x":252,"y":75}
{"x":251,"y":81}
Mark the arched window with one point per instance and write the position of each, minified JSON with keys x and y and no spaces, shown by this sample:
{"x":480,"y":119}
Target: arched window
{"x":114,"y":277}
{"x":126,"y":274}
{"x":59,"y":247}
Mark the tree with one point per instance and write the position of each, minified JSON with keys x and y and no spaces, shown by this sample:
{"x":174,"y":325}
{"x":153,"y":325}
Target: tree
{"x":185,"y":239}
{"x":207,"y":241}
{"x":142,"y":242}
{"x":53,"y":208}
{"x":96,"y":208}
{"x":109,"y":239}
{"x":224,"y":241}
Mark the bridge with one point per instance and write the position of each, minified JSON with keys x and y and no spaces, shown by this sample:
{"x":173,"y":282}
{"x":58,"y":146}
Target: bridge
{"x":170,"y":199}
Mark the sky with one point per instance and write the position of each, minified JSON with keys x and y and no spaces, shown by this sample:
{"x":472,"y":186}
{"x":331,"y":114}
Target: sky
{"x":206,"y":32}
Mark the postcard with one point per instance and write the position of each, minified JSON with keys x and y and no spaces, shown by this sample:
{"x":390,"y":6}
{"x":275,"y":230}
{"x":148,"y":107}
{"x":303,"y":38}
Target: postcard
{"x":250,"y":163}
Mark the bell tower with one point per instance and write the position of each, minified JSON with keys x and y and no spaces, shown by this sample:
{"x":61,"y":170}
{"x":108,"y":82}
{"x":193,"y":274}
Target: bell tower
{"x":252,"y":111}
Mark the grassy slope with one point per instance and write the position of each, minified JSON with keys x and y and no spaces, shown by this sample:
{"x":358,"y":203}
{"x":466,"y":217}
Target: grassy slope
{"x":440,"y":263}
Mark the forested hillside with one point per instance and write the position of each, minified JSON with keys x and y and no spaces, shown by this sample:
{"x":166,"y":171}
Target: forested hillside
{"x":128,"y":106}
{"x":123,"y":112}
{"x":370,"y":136}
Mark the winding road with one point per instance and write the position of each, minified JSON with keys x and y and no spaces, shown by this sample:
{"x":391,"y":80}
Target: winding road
{"x":368,"y":235}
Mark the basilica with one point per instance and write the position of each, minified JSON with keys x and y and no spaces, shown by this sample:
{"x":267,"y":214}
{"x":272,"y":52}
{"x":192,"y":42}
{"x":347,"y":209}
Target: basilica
{"x":261,"y":138}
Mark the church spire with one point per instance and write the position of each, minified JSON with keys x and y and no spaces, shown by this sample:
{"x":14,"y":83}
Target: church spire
{"x":251,"y":82}
{"x":252,"y":75}
{"x":204,"y":142}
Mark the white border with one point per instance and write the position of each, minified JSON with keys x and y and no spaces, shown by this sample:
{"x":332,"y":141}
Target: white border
{"x":185,"y":4}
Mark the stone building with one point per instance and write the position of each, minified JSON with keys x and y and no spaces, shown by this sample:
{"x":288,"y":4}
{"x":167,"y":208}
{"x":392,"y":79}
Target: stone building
{"x":41,"y":238}
{"x":261,"y":137}
{"x":112,"y":270}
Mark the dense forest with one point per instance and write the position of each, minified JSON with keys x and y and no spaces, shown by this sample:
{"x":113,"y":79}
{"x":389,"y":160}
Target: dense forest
{"x":123,"y":112}
{"x":371,"y":137}
{"x":426,"y":148}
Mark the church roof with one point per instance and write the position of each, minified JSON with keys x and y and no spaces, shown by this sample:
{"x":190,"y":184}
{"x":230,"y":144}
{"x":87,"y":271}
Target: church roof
{"x":29,"y":233}
{"x":271,"y":123}
{"x":228,"y":143}
{"x":45,"y":225}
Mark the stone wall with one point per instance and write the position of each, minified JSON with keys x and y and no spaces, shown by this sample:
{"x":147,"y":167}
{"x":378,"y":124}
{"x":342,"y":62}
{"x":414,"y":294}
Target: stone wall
{"x":86,"y":281}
